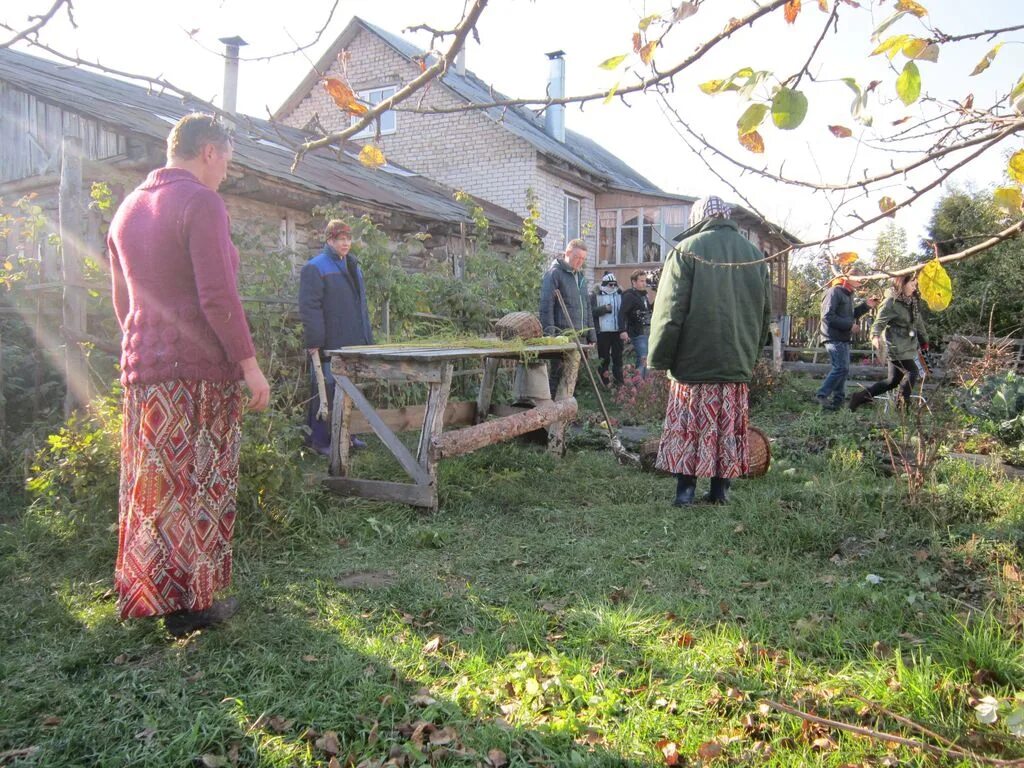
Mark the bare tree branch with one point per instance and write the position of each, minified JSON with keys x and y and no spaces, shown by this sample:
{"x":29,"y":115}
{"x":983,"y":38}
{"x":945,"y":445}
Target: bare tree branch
{"x":989,"y":33}
{"x":40,"y":22}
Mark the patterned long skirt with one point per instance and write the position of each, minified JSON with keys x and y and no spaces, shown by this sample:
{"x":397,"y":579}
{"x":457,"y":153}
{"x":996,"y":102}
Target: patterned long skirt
{"x":705,"y":432}
{"x":179,"y":482}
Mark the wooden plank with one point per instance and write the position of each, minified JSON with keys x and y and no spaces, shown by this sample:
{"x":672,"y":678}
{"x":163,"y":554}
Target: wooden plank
{"x":380,"y":490}
{"x":483,"y":400}
{"x":470,"y":439}
{"x":409,"y":417}
{"x":822,"y":369}
{"x":398,"y":450}
{"x":425,"y":354}
{"x":387,"y":370}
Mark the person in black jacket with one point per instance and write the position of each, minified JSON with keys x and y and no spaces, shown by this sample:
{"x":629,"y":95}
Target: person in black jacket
{"x":332,"y":305}
{"x":565,"y":275}
{"x":839,"y":312}
{"x":635,"y":318}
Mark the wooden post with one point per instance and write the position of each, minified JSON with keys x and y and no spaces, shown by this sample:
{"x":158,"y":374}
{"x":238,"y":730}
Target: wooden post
{"x":776,"y":346}
{"x":483,"y":399}
{"x":71,"y":216}
{"x":433,"y":426}
{"x":566,"y":388}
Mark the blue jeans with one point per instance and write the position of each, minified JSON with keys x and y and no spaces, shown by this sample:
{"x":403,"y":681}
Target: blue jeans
{"x":640,"y":346}
{"x":834,"y":386}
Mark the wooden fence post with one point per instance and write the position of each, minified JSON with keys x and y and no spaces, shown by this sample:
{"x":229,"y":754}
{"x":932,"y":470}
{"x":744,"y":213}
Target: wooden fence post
{"x":71,"y":219}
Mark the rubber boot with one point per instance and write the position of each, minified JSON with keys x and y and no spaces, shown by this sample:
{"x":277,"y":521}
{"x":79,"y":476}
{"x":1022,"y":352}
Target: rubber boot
{"x":719,"y":493}
{"x":181,"y":623}
{"x":686,"y":486}
{"x":859,"y":398}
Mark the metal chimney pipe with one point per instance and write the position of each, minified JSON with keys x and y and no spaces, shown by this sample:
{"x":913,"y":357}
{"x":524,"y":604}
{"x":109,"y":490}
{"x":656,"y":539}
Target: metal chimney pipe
{"x":554,"y":115}
{"x":231,"y":46}
{"x":460,"y":61}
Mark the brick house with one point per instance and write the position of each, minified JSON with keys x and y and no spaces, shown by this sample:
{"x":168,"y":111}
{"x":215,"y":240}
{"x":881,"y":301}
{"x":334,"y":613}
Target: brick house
{"x":583,"y":190}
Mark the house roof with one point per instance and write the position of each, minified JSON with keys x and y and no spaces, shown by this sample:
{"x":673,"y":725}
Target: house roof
{"x":259,"y":145}
{"x":577,"y":150}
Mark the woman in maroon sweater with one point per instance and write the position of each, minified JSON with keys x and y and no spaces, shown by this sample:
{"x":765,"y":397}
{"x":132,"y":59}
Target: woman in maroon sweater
{"x":185,"y":347}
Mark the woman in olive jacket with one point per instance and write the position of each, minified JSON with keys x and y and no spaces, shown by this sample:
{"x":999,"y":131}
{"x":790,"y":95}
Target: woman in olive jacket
{"x":710,"y":323}
{"x":899,"y":321}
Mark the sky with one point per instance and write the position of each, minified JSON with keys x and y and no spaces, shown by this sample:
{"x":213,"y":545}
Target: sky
{"x":179,"y":42}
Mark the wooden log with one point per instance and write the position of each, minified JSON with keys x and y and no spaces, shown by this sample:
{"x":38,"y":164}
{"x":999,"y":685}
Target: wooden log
{"x":380,"y":490}
{"x":483,"y":400}
{"x":874,"y":372}
{"x":433,"y":426}
{"x":341,"y":444}
{"x":469,"y":439}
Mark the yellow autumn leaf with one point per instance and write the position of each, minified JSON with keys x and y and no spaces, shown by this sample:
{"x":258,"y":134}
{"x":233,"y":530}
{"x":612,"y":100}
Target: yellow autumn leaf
{"x":752,"y":142}
{"x":886,"y":204}
{"x":891,"y":46}
{"x":611,"y":94}
{"x":823,"y":5}
{"x":846,"y":258}
{"x":647,"y":52}
{"x":8,"y":266}
{"x":920,"y":49}
{"x":1008,"y":199}
{"x":613,"y":62}
{"x":344,"y":96}
{"x":711,"y":86}
{"x":910,"y":6}
{"x":935,"y":286}
{"x":646,"y":21}
{"x":371,"y":156}
{"x":985,"y":62}
{"x":1016,"y":166}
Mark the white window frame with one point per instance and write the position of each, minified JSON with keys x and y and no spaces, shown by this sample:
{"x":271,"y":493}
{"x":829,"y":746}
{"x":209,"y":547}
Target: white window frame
{"x":640,"y":227}
{"x":367,"y":97}
{"x":579,"y":218}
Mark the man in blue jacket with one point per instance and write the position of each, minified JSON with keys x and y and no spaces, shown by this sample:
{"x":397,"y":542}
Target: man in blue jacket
{"x":332,"y":305}
{"x":839,"y":312}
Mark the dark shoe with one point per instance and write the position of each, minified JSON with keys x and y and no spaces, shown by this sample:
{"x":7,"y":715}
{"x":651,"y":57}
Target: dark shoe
{"x":719,"y":493}
{"x":859,"y":398}
{"x":832,"y":405}
{"x":686,"y":486}
{"x":181,"y":623}
{"x":821,"y":400}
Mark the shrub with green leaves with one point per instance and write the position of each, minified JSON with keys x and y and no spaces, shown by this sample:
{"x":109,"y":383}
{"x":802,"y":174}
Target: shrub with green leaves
{"x":998,"y":399}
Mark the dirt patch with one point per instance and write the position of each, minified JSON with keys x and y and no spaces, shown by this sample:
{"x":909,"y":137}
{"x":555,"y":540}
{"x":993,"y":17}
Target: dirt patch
{"x":367,"y":580}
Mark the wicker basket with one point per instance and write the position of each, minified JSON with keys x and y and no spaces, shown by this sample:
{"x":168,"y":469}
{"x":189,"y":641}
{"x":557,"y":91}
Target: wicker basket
{"x":759,"y":453}
{"x":519,"y":325}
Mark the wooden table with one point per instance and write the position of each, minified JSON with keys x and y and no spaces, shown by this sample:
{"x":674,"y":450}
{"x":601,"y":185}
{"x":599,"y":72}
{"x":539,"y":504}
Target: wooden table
{"x":433,"y":366}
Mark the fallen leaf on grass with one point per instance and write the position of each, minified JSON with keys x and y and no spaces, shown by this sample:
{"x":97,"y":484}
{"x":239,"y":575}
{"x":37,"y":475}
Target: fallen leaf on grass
{"x":422,"y":698}
{"x":310,"y":658}
{"x":213,"y":761}
{"x":432,"y":645}
{"x":497,"y":758}
{"x":329,"y":743}
{"x":443,"y":736}
{"x":146,"y":734}
{"x":51,"y":722}
{"x":709,"y":750}
{"x":686,"y":640}
{"x":670,"y":750}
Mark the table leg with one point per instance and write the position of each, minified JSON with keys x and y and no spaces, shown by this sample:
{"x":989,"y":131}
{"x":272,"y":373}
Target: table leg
{"x":341,"y":444}
{"x":433,"y":425}
{"x":483,"y":400}
{"x":566,"y":387}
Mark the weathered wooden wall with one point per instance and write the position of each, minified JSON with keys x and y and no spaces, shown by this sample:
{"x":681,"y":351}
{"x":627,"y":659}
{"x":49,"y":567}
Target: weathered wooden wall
{"x":31,"y":131}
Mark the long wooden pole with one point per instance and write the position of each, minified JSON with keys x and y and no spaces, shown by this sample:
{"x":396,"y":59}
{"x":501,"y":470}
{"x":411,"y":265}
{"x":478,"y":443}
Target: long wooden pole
{"x":70,"y":218}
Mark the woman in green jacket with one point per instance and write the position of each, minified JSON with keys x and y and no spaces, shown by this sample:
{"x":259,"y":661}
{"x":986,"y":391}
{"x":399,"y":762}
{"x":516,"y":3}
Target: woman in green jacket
{"x":899,"y":321}
{"x":710,"y":323}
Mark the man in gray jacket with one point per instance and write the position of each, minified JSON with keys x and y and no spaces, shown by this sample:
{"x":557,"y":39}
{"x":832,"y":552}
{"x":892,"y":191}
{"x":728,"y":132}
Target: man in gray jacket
{"x":565,"y":275}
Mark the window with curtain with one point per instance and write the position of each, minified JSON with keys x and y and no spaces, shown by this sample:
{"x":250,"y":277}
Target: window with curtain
{"x":573,"y":207}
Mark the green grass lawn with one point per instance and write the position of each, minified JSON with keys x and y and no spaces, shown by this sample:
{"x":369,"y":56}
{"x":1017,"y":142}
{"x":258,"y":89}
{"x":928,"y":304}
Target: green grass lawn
{"x":555,"y":612}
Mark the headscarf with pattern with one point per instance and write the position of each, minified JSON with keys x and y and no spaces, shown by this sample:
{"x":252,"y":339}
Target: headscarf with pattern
{"x":710,"y":207}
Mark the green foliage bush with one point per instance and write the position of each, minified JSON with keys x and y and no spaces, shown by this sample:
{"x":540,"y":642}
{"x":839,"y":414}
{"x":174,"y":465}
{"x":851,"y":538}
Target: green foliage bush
{"x":998,"y":400}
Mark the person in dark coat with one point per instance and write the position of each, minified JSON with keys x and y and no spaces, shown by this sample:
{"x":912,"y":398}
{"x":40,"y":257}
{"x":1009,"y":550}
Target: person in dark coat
{"x":635,"y":318}
{"x":839,"y":312}
{"x":710,"y":323}
{"x":565,"y":275}
{"x":332,"y":305}
{"x":900,"y":324}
